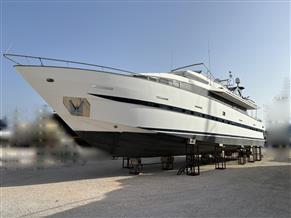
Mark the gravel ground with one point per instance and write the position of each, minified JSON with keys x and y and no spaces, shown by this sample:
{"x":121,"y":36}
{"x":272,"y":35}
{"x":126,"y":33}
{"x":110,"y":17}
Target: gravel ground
{"x":103,"y":189}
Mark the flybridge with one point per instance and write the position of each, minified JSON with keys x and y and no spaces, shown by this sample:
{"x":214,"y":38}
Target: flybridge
{"x":232,"y":94}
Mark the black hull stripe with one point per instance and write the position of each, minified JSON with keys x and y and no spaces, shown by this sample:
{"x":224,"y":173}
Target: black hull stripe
{"x":175,"y":109}
{"x":202,"y":133}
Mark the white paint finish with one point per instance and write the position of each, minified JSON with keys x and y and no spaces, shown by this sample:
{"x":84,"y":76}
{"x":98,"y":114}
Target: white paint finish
{"x":105,"y":114}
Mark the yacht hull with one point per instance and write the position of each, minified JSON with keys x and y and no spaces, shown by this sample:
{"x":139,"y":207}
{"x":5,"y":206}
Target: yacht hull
{"x":128,"y":116}
{"x":130,"y":144}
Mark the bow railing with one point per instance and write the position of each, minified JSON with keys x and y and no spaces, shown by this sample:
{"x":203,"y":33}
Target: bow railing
{"x":21,"y":60}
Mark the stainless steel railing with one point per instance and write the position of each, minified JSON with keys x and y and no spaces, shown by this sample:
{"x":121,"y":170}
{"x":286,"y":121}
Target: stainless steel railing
{"x":207,"y":73}
{"x":42,"y":61}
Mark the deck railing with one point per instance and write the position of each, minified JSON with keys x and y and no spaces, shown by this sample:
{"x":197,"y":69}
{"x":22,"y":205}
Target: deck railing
{"x":42,"y":61}
{"x":208,"y":74}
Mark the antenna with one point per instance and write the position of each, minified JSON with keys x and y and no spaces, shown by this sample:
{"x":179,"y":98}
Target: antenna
{"x":9,"y":47}
{"x":229,"y":81}
{"x":171,"y":59}
{"x":209,"y":63}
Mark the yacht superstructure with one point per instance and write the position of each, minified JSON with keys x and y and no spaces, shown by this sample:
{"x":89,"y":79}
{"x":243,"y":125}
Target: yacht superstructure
{"x":144,"y":115}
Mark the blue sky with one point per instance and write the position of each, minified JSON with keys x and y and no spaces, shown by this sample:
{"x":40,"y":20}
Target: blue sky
{"x":252,"y":39}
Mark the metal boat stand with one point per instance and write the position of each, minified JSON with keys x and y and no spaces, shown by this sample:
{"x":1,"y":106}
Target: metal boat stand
{"x":125,"y":162}
{"x":167,"y":162}
{"x":250,"y":154}
{"x":192,"y":162}
{"x":135,"y":167}
{"x":241,"y":158}
{"x":219,"y":157}
{"x":257,"y":153}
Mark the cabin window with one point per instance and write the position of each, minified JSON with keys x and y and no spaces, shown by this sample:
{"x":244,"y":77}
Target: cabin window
{"x":154,"y":79}
{"x":176,"y":83}
{"x":223,"y":113}
{"x":170,"y":82}
{"x":221,"y":99}
{"x":185,"y":86}
{"x":164,"y":81}
{"x":141,"y":76}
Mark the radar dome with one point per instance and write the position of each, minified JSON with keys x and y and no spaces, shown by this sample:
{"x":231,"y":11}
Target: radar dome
{"x":237,"y":80}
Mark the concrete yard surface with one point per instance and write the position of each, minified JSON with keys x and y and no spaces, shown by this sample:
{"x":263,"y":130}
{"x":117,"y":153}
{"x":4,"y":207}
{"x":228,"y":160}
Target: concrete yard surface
{"x":104,"y":189}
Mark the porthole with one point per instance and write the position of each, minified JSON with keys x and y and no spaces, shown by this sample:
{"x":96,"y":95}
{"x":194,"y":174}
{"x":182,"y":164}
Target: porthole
{"x":50,"y":80}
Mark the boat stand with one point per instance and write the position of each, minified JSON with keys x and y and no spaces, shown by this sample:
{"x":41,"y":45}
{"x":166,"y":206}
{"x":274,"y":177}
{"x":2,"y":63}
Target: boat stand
{"x":219,"y":157}
{"x":241,"y":158}
{"x":192,"y":162}
{"x":250,"y":154}
{"x":167,"y":162}
{"x":135,"y":166}
{"x":125,"y":162}
{"x":258,"y":153}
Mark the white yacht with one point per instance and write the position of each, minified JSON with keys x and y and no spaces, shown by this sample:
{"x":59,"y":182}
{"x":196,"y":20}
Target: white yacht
{"x":143,"y":115}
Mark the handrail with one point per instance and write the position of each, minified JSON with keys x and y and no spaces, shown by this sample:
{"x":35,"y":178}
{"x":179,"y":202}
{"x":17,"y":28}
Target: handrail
{"x":41,"y":59}
{"x":208,"y":73}
{"x":183,"y":67}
